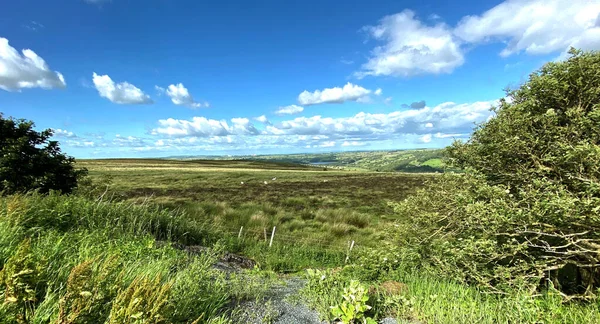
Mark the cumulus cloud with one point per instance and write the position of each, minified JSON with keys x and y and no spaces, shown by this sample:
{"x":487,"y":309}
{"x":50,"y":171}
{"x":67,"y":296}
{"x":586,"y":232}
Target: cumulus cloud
{"x":26,"y":70}
{"x":448,"y":118}
{"x":535,"y":26}
{"x":263,"y":119}
{"x":411,"y":47}
{"x":352,"y":143}
{"x":80,"y":144}
{"x":61,"y":133}
{"x":426,"y":138}
{"x":418,"y":104}
{"x":203,"y":127}
{"x":121,"y":93}
{"x":349,"y":92}
{"x":289,"y":110}
{"x":180,"y":95}
{"x":128,"y":141}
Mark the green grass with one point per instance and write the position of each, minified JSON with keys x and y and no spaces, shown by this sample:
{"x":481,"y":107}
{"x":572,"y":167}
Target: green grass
{"x":75,"y":260}
{"x":426,"y":298}
{"x":312,"y":205}
{"x":87,"y":259}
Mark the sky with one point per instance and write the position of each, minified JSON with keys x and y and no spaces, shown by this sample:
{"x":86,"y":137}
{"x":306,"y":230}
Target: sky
{"x":155,"y":78}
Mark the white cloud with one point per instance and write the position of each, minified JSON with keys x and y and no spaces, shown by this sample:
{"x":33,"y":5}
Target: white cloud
{"x":411,"y":48}
{"x":25,"y":71}
{"x":378,"y":92}
{"x":120,"y":93}
{"x":449,"y":118}
{"x":289,"y":110}
{"x":426,"y":138}
{"x":63,"y":133}
{"x":128,"y":141}
{"x":34,"y":25}
{"x":429,"y":125}
{"x":390,"y":130}
{"x":535,"y":26}
{"x":80,"y":144}
{"x":352,"y":143}
{"x":180,"y":95}
{"x":350,"y":92}
{"x":263,"y":119}
{"x":440,"y":135}
{"x":203,"y":127}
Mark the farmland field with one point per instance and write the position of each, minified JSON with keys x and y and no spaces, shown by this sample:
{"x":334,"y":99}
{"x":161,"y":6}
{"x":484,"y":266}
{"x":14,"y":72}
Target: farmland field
{"x":310,"y":203}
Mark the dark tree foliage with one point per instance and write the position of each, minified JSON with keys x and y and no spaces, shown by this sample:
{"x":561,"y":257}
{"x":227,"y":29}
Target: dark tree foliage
{"x":30,"y":161}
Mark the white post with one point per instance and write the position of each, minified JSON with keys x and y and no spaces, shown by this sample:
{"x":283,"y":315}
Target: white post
{"x":348,"y":255}
{"x":265,"y":231}
{"x":240,"y":233}
{"x":272,"y":235}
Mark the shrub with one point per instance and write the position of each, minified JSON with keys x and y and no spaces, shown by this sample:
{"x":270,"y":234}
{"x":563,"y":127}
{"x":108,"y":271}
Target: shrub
{"x":526,"y":213}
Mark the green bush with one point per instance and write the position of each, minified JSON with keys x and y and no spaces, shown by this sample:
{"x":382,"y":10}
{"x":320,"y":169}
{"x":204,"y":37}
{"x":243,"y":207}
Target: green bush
{"x":526,"y":213}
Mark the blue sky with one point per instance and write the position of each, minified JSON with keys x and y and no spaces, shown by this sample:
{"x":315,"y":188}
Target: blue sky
{"x":133,"y":78}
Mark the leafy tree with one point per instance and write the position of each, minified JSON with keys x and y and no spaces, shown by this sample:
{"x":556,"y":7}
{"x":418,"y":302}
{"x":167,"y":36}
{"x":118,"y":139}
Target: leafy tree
{"x":527,"y":211}
{"x":30,"y":161}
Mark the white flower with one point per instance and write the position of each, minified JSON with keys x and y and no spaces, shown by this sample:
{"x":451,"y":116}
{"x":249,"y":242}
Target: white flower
{"x":323,"y":277}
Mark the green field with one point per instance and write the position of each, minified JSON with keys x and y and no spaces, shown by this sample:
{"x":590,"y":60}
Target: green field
{"x":312,"y":204}
{"x":408,"y":161}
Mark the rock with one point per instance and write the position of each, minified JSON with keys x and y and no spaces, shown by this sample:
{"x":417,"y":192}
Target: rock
{"x":228,"y":262}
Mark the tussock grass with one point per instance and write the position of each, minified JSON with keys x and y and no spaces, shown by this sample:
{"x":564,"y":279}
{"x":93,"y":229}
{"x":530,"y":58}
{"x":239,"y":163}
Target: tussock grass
{"x":69,"y":259}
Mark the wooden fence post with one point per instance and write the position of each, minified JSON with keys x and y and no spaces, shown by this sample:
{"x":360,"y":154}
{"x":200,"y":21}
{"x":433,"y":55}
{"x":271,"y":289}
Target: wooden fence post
{"x":240,"y":233}
{"x":265,"y":231}
{"x":350,"y":250}
{"x":272,"y":235}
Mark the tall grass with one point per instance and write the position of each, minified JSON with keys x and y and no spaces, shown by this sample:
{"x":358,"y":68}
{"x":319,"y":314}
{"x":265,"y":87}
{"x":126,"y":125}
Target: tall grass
{"x":428,"y":299}
{"x":67,"y":259}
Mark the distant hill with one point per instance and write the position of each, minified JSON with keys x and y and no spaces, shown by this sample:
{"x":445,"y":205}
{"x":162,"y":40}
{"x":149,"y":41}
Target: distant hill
{"x":421,"y":160}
